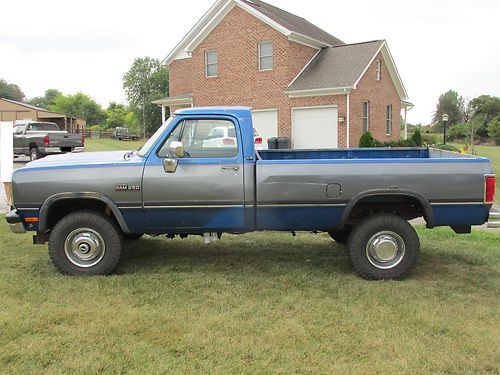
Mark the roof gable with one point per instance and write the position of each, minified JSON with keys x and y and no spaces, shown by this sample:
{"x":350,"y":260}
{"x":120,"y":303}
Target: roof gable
{"x":295,"y":28}
{"x":340,"y":68}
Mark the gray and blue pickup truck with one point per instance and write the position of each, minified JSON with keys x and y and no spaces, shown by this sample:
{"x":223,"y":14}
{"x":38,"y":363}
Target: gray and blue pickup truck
{"x":200,"y":174}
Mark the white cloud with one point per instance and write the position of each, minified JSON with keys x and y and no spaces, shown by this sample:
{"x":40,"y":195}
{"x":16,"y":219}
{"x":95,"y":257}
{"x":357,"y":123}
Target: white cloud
{"x":88,"y":45}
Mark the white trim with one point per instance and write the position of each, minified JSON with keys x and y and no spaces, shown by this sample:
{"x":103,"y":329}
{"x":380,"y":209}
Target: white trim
{"x":348,"y":129}
{"x":208,"y":27}
{"x":391,"y":67}
{"x":318,"y":92}
{"x":212,"y":18}
{"x":307,"y":41}
{"x":316,"y":106}
{"x":304,"y":68}
{"x":390,"y":119}
{"x":367,"y":116}
{"x":168,"y":102}
{"x":259,"y":56}
{"x":264,"y":110}
{"x":378,"y":70}
{"x":369,"y":64}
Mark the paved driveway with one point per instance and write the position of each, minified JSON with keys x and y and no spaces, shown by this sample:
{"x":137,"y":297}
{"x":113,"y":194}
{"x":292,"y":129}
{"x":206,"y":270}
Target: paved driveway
{"x":18,"y":163}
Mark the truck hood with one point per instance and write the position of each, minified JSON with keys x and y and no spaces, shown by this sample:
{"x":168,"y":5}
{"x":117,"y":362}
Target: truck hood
{"x":85,"y":159}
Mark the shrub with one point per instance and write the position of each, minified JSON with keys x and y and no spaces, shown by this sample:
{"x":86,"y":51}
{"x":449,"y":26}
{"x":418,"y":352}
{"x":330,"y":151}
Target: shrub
{"x":447,"y":147}
{"x":429,"y":139}
{"x":457,"y":132}
{"x":407,"y":143}
{"x":417,"y":138}
{"x":367,"y":140}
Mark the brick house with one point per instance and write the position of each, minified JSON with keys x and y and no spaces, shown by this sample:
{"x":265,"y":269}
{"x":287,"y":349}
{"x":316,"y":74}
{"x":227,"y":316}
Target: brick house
{"x":300,"y":81}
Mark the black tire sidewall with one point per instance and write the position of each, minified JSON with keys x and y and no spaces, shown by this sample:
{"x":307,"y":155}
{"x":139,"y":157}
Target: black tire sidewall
{"x":103,"y":225}
{"x":362,"y":233}
{"x":36,"y":152}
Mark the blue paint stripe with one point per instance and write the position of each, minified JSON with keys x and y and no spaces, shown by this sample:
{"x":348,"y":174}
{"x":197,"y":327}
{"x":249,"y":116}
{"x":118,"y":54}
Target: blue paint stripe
{"x":78,"y":166}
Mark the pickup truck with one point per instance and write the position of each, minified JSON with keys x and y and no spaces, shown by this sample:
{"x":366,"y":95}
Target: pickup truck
{"x":177,"y":184}
{"x":39,"y":139}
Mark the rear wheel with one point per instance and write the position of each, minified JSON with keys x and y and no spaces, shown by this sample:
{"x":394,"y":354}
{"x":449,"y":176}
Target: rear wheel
{"x":35,"y":154}
{"x":383,"y":246}
{"x":85,"y":243}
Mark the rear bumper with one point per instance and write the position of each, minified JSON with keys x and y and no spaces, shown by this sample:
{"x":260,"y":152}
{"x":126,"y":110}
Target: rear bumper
{"x":15,"y":222}
{"x":57,"y":150}
{"x":494,"y":219}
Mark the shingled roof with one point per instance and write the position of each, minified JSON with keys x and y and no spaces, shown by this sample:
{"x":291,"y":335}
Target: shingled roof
{"x":293,"y":23}
{"x":337,"y":67}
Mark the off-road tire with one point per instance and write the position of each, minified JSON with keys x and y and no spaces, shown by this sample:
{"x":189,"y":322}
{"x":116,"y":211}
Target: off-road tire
{"x":371,"y":226}
{"x":107,"y":229}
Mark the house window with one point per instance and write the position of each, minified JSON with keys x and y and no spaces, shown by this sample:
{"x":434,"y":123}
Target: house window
{"x":211,"y":68}
{"x":366,"y":116}
{"x":388,"y":121}
{"x":266,"y":56}
{"x":378,"y":74}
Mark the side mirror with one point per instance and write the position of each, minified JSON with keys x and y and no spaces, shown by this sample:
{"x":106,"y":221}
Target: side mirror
{"x":170,"y":165}
{"x":177,"y":149}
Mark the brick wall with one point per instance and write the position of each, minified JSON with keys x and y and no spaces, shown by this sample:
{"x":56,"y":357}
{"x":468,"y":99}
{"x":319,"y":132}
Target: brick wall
{"x":239,"y":82}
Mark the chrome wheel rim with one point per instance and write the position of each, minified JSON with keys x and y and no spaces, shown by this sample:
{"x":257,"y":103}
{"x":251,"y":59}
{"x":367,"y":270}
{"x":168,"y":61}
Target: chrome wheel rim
{"x":84,"y":247}
{"x":33,"y":155}
{"x":385,"y":249}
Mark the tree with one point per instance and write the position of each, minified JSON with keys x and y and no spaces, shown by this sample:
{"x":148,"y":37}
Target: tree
{"x":471,"y":129}
{"x":486,"y":106}
{"x":46,"y":100}
{"x":494,"y":130}
{"x":80,"y":105}
{"x":417,"y":138}
{"x":146,"y":81}
{"x":453,"y":105}
{"x":11,"y":91}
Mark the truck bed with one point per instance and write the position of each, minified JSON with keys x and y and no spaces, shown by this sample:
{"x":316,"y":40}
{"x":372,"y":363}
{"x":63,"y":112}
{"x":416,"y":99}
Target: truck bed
{"x":364,"y":153}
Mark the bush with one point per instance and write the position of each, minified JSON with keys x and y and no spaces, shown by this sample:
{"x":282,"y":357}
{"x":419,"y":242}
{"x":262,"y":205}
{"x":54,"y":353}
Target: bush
{"x":429,"y":139}
{"x":367,"y":140}
{"x":447,"y":147}
{"x":494,"y":130}
{"x":417,"y":138}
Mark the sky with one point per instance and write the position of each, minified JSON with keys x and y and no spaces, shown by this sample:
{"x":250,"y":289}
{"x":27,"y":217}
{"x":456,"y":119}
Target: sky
{"x":88,"y":45}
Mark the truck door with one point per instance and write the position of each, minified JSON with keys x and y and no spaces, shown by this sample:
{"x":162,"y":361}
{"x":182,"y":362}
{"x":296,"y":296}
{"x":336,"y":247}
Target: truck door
{"x":202,"y":189}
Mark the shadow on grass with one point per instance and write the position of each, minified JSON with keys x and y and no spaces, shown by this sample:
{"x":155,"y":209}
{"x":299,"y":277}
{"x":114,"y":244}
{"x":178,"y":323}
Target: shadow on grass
{"x":234,"y":256}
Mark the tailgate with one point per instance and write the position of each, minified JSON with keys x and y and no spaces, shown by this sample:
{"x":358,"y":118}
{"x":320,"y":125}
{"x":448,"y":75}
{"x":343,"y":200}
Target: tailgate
{"x":65,"y":140}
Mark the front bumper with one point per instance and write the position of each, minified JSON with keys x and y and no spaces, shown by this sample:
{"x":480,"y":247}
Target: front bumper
{"x":15,"y":222}
{"x":494,"y":219}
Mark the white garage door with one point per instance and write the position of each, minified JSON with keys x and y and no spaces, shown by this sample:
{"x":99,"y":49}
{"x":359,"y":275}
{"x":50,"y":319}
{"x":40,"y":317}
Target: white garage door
{"x":315,"y":127}
{"x":266,"y":124}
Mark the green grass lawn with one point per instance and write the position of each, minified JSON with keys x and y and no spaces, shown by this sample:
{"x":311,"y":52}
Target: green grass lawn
{"x":108,"y":144}
{"x":257,"y":303}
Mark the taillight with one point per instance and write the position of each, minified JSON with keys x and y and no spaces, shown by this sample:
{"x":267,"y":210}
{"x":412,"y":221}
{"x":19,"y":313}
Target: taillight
{"x":489,"y":189}
{"x":83,"y":139}
{"x":258,"y":140}
{"x":46,"y":140}
{"x":228,"y":141}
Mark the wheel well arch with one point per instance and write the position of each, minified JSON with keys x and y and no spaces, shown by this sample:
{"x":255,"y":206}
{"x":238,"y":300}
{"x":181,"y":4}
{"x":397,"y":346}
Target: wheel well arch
{"x":59,"y":205}
{"x":32,"y":145}
{"x":408,"y":205}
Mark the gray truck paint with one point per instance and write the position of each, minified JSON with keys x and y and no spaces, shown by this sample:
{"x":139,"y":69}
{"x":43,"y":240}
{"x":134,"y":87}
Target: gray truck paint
{"x":244,"y":194}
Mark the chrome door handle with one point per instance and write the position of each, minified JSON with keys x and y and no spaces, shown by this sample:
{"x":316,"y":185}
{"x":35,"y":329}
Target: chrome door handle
{"x":234,"y":169}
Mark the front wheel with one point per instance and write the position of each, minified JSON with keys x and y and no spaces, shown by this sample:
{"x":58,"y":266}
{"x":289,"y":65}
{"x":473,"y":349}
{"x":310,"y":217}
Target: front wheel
{"x":383,"y":246}
{"x":85,"y":243}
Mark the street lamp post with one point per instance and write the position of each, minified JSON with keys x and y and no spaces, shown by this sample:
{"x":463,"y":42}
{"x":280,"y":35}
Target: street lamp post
{"x":445,"y":122}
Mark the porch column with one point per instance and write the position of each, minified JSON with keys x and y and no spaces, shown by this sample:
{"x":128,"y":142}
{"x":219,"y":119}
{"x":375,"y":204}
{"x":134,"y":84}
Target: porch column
{"x":405,"y":134}
{"x":163,"y":114}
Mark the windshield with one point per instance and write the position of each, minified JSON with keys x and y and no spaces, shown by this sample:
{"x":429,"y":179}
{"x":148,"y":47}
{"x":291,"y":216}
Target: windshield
{"x":150,"y":143}
{"x":43,"y":127}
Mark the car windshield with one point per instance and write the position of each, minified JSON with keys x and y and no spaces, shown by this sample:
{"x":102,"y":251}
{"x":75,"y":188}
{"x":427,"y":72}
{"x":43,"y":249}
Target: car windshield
{"x":43,"y":127}
{"x":150,"y":143}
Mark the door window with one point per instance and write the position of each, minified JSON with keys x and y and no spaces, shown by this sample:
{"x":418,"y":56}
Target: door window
{"x":204,"y":138}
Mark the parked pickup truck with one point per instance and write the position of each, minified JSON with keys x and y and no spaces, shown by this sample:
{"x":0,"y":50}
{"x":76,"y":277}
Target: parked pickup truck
{"x":39,"y":139}
{"x":179,"y":184}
